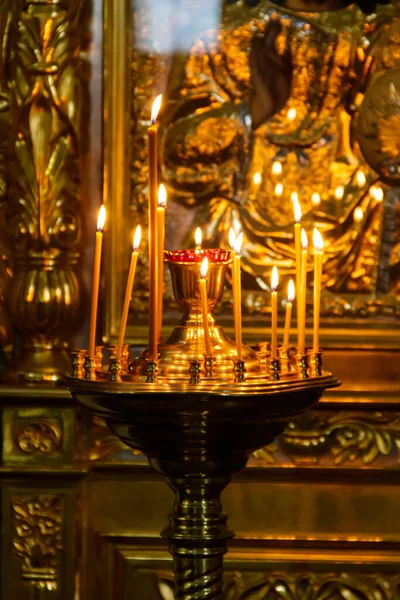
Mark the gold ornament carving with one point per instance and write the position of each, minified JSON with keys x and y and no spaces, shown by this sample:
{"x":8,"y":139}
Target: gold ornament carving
{"x":210,"y":154}
{"x":298,"y":585}
{"x":342,"y":439}
{"x":39,"y":438}
{"x":43,"y":213}
{"x":37,"y":539}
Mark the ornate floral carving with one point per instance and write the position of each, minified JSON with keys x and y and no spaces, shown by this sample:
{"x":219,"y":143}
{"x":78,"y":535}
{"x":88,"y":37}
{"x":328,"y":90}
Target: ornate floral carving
{"x":300,"y":585}
{"x":337,"y":439}
{"x":43,"y":216}
{"x":39,"y":437}
{"x":37,"y":539}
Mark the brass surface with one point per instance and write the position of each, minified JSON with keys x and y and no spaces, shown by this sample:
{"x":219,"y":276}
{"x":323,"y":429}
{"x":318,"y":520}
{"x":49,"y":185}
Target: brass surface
{"x":42,"y":215}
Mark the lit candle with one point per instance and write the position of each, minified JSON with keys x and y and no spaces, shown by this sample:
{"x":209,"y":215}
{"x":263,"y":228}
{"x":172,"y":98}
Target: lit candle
{"x":288,"y":314}
{"x":277,"y":168}
{"x":128,"y":291}
{"x":204,"y":304}
{"x":198,"y":238}
{"x":316,"y":199}
{"x":292,"y":114}
{"x":318,"y":254}
{"x":236,"y":244}
{"x":162,"y":203}
{"x":301,"y":329}
{"x":297,"y":242}
{"x":361,"y":179}
{"x":278,"y":191}
{"x":101,"y":219}
{"x":274,"y":312}
{"x":257,"y":178}
{"x":153,"y":255}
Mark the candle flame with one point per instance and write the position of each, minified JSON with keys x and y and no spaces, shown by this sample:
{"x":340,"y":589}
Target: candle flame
{"x":339,"y":192}
{"x":136,"y":238}
{"x":318,"y":241}
{"x":198,"y":236}
{"x":361,"y":179}
{"x":304,"y":240}
{"x":277,"y":168}
{"x":257,"y":178}
{"x":278,"y":189}
{"x":358,"y":214}
{"x":291,"y":293}
{"x":155,"y":109}
{"x":232,"y":238}
{"x":292,"y":113}
{"x":316,"y":199}
{"x":204,"y":268}
{"x":162,"y":196}
{"x":274,"y":279}
{"x":101,"y":219}
{"x":377,"y":193}
{"x":238,"y":243}
{"x":296,"y":207}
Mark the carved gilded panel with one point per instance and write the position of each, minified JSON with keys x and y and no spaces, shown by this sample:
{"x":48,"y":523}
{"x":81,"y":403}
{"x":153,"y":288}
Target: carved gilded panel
{"x":225,"y":166}
{"x":38,"y":436}
{"x":258,"y":573}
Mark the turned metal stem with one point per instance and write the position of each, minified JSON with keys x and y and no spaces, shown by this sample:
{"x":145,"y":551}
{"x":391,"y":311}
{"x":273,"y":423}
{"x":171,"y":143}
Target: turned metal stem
{"x":197,"y":536}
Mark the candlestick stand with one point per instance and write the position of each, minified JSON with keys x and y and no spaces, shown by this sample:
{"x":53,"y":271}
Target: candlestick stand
{"x":198,"y":417}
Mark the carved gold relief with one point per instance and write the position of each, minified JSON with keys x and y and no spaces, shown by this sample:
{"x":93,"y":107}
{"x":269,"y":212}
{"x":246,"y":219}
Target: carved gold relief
{"x":43,"y":213}
{"x":342,"y":439}
{"x":300,"y":585}
{"x":39,"y":438}
{"x":210,"y":154}
{"x":37,"y":538}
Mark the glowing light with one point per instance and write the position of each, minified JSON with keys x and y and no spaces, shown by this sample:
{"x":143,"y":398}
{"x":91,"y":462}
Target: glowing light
{"x":296,"y":207}
{"x":204,"y":268}
{"x":257,"y":178}
{"x":198,"y":236}
{"x":339,"y":192}
{"x":358,"y":214}
{"x":290,"y":293}
{"x":304,"y":240}
{"x":278,"y":189}
{"x":162,"y":196}
{"x":155,"y":109}
{"x":361,"y":179}
{"x":136,"y":238}
{"x":238,"y":243}
{"x":316,"y":199}
{"x":318,"y":241}
{"x":274,"y":279}
{"x":101,"y":219}
{"x":377,"y":193}
{"x":292,"y":114}
{"x":232,"y":238}
{"x":277,"y":168}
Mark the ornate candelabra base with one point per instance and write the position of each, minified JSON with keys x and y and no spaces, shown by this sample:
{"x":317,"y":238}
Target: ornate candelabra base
{"x":197,"y":436}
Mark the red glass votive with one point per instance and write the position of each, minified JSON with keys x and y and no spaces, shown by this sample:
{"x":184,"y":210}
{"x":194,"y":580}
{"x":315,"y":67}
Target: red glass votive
{"x":214,"y":255}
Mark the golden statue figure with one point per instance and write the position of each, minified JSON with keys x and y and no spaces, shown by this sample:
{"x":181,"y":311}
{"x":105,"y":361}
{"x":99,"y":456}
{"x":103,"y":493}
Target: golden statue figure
{"x":274,"y":104}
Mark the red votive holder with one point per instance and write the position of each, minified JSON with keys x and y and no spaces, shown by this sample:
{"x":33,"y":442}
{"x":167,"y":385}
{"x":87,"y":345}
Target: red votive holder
{"x":214,"y":255}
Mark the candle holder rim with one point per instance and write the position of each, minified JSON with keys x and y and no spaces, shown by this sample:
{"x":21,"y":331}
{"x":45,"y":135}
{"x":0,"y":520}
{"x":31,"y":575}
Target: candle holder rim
{"x":171,"y":256}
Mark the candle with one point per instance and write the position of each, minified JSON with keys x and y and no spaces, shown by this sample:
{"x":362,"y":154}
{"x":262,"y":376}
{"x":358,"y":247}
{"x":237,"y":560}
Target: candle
{"x":101,"y":219}
{"x":232,"y":242}
{"x":288,"y":314}
{"x":301,"y":330}
{"x":153,"y":256}
{"x":198,"y":238}
{"x":236,"y":244}
{"x":204,"y":304}
{"x":257,"y":178}
{"x":162,"y":203}
{"x":274,"y":312}
{"x":128,"y":291}
{"x":318,"y":255}
{"x":297,"y":242}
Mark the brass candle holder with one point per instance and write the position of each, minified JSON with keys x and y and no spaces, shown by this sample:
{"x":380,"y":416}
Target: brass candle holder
{"x":198,"y":417}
